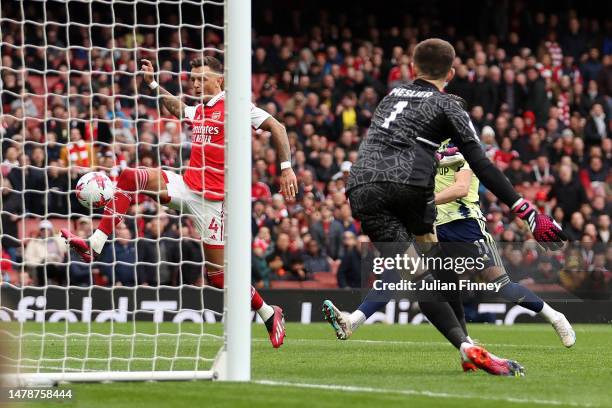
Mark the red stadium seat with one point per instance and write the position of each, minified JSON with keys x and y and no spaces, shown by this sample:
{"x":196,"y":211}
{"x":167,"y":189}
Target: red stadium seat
{"x":327,"y":278}
{"x":285,"y":284}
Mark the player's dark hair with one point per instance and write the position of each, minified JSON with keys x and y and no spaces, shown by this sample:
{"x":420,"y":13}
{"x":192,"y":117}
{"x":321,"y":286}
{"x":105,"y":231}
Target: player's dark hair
{"x":211,"y":62}
{"x":434,"y":58}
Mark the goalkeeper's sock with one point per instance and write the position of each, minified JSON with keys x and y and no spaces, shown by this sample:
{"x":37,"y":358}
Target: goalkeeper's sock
{"x":442,"y":316}
{"x":264,"y":310}
{"x":129,"y":181}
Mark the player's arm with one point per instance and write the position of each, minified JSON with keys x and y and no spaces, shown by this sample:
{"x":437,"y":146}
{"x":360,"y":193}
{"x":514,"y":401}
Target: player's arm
{"x":463,"y":134}
{"x":459,"y":189}
{"x":174,"y":105}
{"x":262,"y":120}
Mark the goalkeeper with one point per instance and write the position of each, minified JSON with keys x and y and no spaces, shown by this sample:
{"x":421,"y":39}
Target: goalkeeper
{"x":391,"y":186}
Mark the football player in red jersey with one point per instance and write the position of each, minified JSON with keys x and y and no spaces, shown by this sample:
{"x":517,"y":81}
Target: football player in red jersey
{"x":200,"y":190}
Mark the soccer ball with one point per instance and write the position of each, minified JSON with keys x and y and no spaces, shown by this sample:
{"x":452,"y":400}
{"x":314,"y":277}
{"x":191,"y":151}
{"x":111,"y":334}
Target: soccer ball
{"x":94,"y":190}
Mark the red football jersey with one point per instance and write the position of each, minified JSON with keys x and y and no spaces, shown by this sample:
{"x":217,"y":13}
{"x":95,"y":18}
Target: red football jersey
{"x":205,"y":173}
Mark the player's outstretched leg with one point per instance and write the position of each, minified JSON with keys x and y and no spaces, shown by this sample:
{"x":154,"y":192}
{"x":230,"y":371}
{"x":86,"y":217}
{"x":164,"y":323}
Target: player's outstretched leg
{"x":129,"y":182}
{"x":489,"y":362}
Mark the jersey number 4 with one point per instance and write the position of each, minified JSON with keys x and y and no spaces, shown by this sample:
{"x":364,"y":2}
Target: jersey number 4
{"x":397,"y":109}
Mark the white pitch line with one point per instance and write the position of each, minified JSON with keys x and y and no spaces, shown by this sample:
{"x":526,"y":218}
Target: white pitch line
{"x":405,"y":343}
{"x":431,"y":394}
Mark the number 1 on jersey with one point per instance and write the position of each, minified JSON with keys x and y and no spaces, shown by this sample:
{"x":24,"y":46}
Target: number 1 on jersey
{"x":397,"y":109}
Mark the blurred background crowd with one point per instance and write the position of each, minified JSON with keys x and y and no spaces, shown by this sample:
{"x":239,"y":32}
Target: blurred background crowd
{"x":538,"y":85}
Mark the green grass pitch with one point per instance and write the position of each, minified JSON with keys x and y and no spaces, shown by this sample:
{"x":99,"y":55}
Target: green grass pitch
{"x":380,"y":366}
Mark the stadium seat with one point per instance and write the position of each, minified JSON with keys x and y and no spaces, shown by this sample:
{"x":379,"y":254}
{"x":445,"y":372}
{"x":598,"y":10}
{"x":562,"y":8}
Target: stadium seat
{"x":285,"y":284}
{"x":325,"y":278}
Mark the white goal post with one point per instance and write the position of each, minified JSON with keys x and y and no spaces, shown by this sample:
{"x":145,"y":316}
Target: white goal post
{"x":108,"y":343}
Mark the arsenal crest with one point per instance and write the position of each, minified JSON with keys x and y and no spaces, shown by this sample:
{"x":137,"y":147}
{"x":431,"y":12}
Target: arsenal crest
{"x":215,"y":115}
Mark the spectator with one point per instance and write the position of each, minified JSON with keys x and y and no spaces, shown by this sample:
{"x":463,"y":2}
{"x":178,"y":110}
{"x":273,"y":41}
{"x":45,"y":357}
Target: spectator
{"x":81,"y":273}
{"x":349,"y":272}
{"x":260,"y":274}
{"x":537,"y":100}
{"x":596,"y":128}
{"x":541,"y":171}
{"x":158,"y":253}
{"x":591,"y":68}
{"x":597,"y":172}
{"x":567,"y":192}
{"x":44,"y":255}
{"x":78,"y":152}
{"x":576,"y":227}
{"x":315,"y":259}
{"x":327,"y":231}
{"x":505,"y":154}
{"x":545,"y":271}
{"x":36,"y":182}
{"x":515,"y":172}
{"x":259,"y":190}
{"x":574,"y":274}
{"x":574,"y":42}
{"x":512,"y":95}
{"x":283,"y":263}
{"x":326,"y":168}
{"x":603,"y":228}
{"x":119,"y":259}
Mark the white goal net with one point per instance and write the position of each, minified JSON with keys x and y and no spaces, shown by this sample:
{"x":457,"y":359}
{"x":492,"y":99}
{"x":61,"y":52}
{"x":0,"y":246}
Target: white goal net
{"x":73,"y":101}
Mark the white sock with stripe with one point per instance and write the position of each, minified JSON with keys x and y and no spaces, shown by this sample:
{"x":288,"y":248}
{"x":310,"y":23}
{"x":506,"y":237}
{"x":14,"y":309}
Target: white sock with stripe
{"x":265,"y":311}
{"x":357,"y":318}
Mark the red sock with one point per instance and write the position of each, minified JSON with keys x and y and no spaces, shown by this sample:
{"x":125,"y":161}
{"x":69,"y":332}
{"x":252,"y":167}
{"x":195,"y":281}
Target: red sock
{"x":256,"y":299}
{"x":129,"y":181}
{"x":215,"y":278}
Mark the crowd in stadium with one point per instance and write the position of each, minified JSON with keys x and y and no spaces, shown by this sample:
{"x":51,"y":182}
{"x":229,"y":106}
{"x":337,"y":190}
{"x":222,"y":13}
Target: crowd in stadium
{"x":539,"y":93}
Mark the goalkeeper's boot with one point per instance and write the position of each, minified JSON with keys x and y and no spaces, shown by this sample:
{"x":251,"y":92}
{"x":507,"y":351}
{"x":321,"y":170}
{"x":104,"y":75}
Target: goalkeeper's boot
{"x":276,"y":327}
{"x":492,"y":364}
{"x":564,"y":330}
{"x":340,"y":321}
{"x":467,"y":365}
{"x":80,"y":245}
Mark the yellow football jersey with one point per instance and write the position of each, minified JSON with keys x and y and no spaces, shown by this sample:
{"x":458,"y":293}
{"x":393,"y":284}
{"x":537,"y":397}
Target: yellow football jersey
{"x":462,"y":208}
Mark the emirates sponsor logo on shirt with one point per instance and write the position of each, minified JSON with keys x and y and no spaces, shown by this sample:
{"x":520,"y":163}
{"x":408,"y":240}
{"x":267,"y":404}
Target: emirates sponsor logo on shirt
{"x":203,"y":133}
